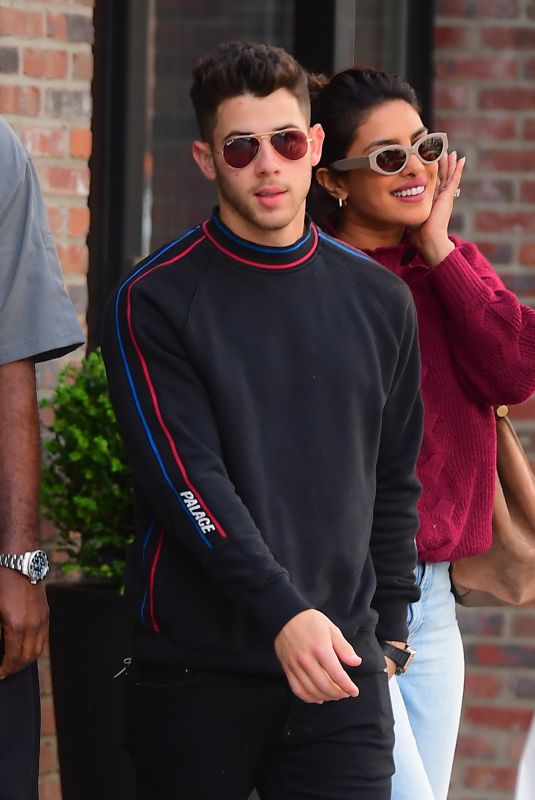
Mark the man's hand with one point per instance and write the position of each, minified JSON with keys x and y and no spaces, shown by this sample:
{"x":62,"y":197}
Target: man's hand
{"x":23,"y":621}
{"x":310,"y":649}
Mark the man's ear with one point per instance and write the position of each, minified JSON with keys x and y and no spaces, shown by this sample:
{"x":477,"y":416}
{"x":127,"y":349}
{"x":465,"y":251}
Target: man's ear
{"x":317,"y":135}
{"x":332,"y":183}
{"x":202,"y":154}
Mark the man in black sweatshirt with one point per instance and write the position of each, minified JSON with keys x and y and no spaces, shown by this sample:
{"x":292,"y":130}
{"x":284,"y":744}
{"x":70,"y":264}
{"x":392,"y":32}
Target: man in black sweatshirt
{"x":266,"y":382}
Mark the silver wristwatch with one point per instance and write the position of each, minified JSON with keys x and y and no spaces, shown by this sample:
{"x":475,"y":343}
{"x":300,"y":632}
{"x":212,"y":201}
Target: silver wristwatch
{"x":33,"y":564}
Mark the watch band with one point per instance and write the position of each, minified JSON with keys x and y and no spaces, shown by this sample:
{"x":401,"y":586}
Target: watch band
{"x":12,"y":561}
{"x":33,"y":564}
{"x":402,"y":657}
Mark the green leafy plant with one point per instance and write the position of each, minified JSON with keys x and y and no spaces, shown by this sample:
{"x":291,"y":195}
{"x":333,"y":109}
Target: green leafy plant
{"x":86,"y":487}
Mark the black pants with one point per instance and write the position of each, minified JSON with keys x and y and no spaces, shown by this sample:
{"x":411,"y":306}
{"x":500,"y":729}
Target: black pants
{"x":196,"y":735}
{"x":20,"y":721}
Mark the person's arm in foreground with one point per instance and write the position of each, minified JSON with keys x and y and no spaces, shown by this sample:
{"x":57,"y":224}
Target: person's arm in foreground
{"x":23,"y":607}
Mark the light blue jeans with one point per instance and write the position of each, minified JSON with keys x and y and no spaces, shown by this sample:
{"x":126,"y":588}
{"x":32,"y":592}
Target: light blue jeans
{"x":427,"y":699}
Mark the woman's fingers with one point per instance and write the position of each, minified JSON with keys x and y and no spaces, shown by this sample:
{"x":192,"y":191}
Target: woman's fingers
{"x":446,"y":170}
{"x":459,"y":167}
{"x":455,"y":171}
{"x":443,"y":170}
{"x":452,"y":164}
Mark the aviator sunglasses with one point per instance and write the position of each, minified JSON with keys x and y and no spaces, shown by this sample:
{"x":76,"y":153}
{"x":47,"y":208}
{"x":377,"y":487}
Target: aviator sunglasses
{"x":394,"y":157}
{"x":240,"y":151}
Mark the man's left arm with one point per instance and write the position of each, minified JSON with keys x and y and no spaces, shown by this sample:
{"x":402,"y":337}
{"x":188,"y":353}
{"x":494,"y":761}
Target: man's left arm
{"x":23,"y":606}
{"x":395,"y":521}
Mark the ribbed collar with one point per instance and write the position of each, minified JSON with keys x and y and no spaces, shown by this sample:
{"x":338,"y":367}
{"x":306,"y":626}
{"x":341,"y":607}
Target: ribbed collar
{"x":405,"y":254}
{"x":398,"y":256}
{"x":256,"y":255}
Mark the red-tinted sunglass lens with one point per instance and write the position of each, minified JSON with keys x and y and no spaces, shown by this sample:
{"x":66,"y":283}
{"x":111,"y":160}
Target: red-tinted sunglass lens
{"x":431,"y":148}
{"x":238,"y":153}
{"x":290,"y":144}
{"x":392,"y":160}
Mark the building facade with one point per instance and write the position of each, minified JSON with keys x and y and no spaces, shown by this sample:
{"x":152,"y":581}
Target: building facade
{"x":98,"y":92}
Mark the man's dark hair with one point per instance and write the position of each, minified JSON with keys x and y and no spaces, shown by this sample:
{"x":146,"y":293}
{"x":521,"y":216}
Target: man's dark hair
{"x":236,"y":68}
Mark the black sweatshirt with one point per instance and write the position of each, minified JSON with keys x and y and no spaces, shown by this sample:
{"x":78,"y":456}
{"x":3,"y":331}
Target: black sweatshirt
{"x":269,"y":401}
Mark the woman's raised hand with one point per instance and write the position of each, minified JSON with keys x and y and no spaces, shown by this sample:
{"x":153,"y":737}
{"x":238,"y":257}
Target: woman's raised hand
{"x":431,"y":238}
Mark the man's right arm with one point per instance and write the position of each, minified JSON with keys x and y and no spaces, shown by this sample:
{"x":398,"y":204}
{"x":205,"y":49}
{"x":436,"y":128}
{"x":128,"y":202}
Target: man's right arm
{"x":165,"y":416}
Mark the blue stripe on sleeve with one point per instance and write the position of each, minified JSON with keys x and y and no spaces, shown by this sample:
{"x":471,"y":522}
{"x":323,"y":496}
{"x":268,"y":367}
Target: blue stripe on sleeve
{"x":137,"y":403}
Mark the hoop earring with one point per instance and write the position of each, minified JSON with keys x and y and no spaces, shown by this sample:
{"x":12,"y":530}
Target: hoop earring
{"x":342,"y":202}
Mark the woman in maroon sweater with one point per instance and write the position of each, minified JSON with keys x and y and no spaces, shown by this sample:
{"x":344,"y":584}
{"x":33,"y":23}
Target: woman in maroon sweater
{"x":386,"y":185}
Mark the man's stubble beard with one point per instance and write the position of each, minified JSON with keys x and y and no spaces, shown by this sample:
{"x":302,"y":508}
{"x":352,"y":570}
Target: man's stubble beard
{"x":264,"y":222}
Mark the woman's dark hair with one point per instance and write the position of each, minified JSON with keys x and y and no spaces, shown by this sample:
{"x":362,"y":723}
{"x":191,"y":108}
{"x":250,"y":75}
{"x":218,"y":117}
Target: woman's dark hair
{"x":341,"y":105}
{"x":236,"y":68}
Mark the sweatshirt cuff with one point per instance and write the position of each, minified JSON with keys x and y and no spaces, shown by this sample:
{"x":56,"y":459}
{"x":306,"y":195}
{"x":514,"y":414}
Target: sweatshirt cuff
{"x":392,"y":623}
{"x":276,"y":604}
{"x":459,"y":285}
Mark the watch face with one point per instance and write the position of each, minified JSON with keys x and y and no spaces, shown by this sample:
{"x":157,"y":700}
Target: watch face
{"x":404,"y":659}
{"x":38,"y":566}
{"x":409,"y":660}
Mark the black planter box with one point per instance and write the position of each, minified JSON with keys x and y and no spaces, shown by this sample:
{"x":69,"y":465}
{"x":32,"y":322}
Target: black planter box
{"x":89,"y":639}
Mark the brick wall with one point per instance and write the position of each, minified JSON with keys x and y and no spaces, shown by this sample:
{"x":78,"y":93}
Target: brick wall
{"x":45,"y":75}
{"x":484,"y":99}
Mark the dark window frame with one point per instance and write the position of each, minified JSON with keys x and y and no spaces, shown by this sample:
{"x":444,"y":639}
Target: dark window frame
{"x":119,"y":131}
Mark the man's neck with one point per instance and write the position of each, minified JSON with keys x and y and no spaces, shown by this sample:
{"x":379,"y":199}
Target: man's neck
{"x":266,"y":237}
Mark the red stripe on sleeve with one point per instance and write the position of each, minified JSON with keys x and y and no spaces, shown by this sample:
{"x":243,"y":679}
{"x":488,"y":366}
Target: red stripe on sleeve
{"x":152,"y":391}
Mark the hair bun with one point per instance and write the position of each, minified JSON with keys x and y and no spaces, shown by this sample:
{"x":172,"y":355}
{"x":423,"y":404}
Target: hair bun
{"x":316,"y":82}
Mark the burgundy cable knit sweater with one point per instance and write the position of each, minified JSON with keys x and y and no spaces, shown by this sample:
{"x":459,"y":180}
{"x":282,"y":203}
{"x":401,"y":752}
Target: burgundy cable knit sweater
{"x":478,"y":350}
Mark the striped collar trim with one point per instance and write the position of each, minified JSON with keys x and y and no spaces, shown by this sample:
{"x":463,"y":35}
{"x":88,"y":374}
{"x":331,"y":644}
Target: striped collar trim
{"x":256,"y":255}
